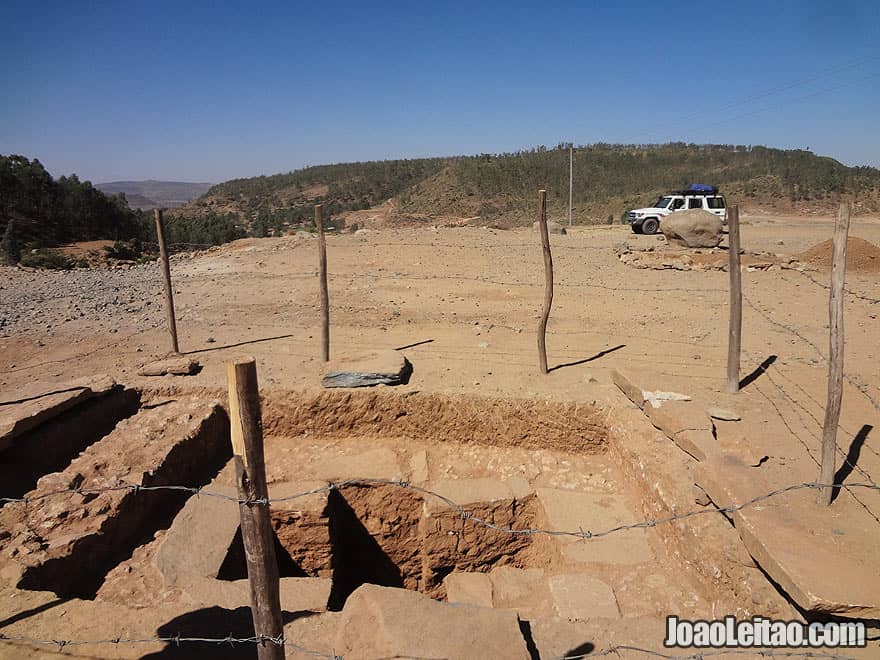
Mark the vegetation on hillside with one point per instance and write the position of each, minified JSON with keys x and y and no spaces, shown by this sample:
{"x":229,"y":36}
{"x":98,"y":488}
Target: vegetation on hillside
{"x":38,"y":212}
{"x":608,"y":179}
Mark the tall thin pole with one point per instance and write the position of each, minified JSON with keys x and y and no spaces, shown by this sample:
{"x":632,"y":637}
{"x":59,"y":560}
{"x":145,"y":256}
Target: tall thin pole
{"x":322,"y":274}
{"x":166,"y":280}
{"x":734,"y":337}
{"x":548,"y":283}
{"x":835,"y":355}
{"x":570,"y":179}
{"x":256,"y":528}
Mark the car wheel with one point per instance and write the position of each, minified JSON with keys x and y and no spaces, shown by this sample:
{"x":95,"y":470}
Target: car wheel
{"x":650,"y":226}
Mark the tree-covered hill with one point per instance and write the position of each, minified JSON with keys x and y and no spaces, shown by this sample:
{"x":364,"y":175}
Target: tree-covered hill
{"x":608,"y":179}
{"x":38,"y":212}
{"x":46,"y":211}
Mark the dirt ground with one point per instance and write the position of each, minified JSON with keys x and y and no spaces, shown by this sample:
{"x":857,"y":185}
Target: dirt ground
{"x":463,"y":305}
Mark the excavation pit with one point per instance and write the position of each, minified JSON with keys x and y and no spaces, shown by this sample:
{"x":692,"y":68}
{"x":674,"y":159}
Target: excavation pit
{"x":414,"y":491}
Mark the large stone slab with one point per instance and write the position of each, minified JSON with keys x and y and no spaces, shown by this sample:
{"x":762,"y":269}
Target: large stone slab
{"x":387,"y":367}
{"x":382,"y":622}
{"x":173,"y":366}
{"x":694,"y":228}
{"x":825,"y":558}
{"x":210,"y":523}
{"x":566,"y":510}
{"x":34,"y":405}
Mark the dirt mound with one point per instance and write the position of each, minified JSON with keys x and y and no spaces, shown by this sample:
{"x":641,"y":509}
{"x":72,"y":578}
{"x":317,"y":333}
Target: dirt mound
{"x":861,"y":255}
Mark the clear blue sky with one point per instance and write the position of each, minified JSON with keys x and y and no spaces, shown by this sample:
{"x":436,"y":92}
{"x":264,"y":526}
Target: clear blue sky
{"x":200,"y":92}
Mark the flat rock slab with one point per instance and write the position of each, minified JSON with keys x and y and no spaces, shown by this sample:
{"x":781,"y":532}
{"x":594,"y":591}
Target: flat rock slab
{"x":686,"y":425}
{"x":33,"y":406}
{"x":177,"y":366}
{"x":566,"y":510}
{"x":209,"y":523}
{"x":368,"y":369}
{"x":383,"y":622}
{"x":825,"y":558}
{"x":724,"y":415}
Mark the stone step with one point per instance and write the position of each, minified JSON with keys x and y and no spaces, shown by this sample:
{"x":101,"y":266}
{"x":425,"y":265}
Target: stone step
{"x":66,"y":543}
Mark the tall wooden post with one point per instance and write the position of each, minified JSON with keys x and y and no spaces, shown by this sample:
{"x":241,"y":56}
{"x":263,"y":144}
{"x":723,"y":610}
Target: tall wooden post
{"x":256,"y":529}
{"x":322,"y":275}
{"x":548,"y":283}
{"x":570,"y":179}
{"x":835,"y":355}
{"x":166,"y":279}
{"x":734,"y":336}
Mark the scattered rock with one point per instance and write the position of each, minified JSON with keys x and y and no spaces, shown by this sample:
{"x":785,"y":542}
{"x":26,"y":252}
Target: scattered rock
{"x":552,"y":228}
{"x":387,"y":367}
{"x":692,"y":228}
{"x":722,"y":414}
{"x":700,"y":496}
{"x":180,"y":366}
{"x":655,"y":398}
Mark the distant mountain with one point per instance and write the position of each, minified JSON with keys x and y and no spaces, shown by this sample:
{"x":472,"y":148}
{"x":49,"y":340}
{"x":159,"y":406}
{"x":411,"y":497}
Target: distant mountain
{"x":146,"y":195}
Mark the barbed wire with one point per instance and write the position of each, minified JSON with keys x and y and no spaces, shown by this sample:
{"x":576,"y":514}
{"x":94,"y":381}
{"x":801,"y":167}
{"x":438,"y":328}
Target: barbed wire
{"x":178,"y":640}
{"x":461,"y":510}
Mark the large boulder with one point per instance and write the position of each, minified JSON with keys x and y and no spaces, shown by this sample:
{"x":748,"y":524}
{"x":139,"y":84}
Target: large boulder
{"x":552,"y":227}
{"x":694,"y":228}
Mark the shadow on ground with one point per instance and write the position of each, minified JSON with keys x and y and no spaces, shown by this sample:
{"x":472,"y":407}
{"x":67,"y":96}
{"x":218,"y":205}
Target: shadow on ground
{"x":589,"y":359}
{"x":213,"y":623}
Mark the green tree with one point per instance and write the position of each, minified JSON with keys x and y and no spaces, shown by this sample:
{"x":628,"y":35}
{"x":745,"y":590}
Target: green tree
{"x":10,"y":251}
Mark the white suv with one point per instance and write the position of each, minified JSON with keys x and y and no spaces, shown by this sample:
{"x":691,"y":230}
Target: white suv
{"x":698,"y":196}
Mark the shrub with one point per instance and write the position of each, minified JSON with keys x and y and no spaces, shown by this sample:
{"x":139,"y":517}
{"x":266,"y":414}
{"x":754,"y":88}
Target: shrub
{"x":44,"y":258}
{"x":124,"y":250}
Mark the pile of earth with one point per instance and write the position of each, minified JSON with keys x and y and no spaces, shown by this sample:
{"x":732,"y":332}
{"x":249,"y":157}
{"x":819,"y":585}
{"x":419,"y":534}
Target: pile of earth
{"x":861,"y":256}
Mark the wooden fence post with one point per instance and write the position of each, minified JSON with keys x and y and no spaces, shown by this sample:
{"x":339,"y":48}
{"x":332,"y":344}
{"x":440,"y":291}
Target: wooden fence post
{"x":166,"y":278}
{"x":734,"y":337}
{"x":322,"y":275}
{"x":256,"y":528}
{"x":548,"y":283}
{"x":835,"y":355}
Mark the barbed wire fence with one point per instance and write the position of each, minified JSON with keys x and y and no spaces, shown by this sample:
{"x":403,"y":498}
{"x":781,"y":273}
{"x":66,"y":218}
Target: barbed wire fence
{"x":581,"y":534}
{"x":262,"y":640}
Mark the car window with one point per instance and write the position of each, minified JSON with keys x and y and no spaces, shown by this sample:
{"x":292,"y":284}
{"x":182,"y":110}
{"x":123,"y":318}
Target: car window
{"x":695,"y":203}
{"x":662,"y":203}
{"x":677,"y":204}
{"x":715,"y":202}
